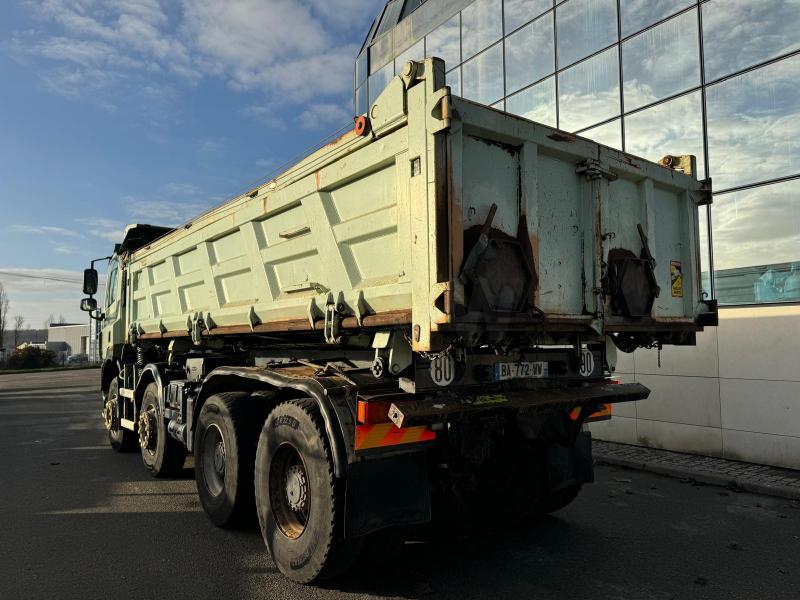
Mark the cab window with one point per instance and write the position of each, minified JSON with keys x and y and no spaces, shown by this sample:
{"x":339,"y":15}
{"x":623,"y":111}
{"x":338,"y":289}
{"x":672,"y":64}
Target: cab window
{"x":111,"y":285}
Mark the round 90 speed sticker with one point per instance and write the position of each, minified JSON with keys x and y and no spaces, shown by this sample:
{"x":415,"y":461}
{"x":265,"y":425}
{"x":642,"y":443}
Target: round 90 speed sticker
{"x":587,"y":363}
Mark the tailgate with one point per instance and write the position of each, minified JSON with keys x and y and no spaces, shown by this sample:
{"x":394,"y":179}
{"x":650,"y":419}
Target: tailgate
{"x":545,"y":225}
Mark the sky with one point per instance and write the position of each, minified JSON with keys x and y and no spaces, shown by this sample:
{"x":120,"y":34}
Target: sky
{"x":150,"y":111}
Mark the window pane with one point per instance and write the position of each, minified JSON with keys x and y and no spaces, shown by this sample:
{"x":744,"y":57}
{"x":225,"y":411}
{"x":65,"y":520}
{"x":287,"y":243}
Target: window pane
{"x":519,"y":12}
{"x":530,"y":54}
{"x":416,"y":52}
{"x":482,"y":25}
{"x":739,"y":33}
{"x":609,"y":134}
{"x":361,"y":100}
{"x":589,"y":92}
{"x":390,"y":16}
{"x":483,"y":76}
{"x":361,"y":68}
{"x":705,"y":255}
{"x":445,"y":42}
{"x":675,"y":127}
{"x":453,"y":79}
{"x":584,"y":26}
{"x":754,"y":125}
{"x":662,"y":61}
{"x":410,"y":6}
{"x":537,"y":103}
{"x":757,"y":244}
{"x":638,"y":14}
{"x":499,"y":105}
{"x":379,"y":80}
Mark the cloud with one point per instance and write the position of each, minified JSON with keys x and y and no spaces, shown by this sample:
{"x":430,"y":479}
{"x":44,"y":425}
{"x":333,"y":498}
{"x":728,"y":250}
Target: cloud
{"x":266,"y":115}
{"x":318,"y":114}
{"x":45,"y":230}
{"x":181,"y":189}
{"x":64,"y":249}
{"x":108,"y":229}
{"x":37,"y":293}
{"x":289,"y":51}
{"x":164,"y":212}
{"x":211,"y":146}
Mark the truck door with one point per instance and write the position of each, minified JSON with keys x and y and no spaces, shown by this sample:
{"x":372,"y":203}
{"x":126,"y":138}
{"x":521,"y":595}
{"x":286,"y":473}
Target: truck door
{"x":112,"y":324}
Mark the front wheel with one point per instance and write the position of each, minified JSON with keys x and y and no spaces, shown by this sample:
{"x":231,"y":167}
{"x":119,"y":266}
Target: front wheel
{"x":299,"y":503}
{"x":161,"y":454}
{"x":121,"y":440}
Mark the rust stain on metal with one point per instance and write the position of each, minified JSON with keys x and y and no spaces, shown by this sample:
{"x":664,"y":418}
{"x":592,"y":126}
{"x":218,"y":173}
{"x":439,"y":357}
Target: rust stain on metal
{"x":561,"y":137}
{"x":340,"y":138}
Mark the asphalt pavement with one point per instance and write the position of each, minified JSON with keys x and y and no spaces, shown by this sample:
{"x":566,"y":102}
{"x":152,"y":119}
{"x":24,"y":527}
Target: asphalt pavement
{"x":80,"y":521}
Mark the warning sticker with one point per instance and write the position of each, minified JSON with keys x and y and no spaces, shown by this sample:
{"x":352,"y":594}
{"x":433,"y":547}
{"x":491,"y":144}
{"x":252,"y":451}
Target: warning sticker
{"x":676,"y":277}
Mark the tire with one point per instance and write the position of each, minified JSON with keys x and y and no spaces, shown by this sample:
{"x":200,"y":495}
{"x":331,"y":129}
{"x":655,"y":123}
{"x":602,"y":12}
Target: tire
{"x":225,"y":451}
{"x":557,"y":499}
{"x":161,"y":453}
{"x":299,"y":503}
{"x":121,"y":440}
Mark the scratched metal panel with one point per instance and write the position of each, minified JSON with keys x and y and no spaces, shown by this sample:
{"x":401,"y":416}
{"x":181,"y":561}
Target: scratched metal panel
{"x":330,"y":228}
{"x":531,"y":172}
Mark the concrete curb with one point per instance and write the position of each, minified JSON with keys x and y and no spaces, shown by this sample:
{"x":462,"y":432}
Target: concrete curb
{"x":740,"y":483}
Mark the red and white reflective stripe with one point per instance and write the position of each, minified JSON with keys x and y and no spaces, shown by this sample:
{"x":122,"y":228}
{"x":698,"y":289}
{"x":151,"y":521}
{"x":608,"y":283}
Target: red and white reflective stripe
{"x":604,"y":412}
{"x":388,"y":434}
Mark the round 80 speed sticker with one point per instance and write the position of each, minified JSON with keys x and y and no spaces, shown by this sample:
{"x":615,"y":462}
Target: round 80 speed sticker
{"x":443,"y":370}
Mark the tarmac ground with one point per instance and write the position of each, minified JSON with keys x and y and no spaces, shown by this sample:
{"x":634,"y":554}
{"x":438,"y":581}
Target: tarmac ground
{"x":80,"y":521}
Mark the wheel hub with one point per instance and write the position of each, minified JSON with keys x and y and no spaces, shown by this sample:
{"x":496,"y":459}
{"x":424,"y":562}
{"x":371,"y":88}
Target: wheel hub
{"x":219,"y":458}
{"x":110,"y":419}
{"x":147,"y":430}
{"x":296,"y":488}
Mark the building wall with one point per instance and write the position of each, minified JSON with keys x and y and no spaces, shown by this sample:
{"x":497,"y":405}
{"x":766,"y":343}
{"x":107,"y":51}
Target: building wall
{"x":74,"y":335}
{"x":735,"y":395}
{"x":719,"y":79}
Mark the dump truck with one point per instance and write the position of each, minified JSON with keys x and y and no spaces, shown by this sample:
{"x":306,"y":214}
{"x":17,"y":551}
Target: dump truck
{"x":420,"y":317}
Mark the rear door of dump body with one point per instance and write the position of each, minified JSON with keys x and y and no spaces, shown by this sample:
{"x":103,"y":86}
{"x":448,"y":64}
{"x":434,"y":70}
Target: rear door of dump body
{"x":572,"y":207}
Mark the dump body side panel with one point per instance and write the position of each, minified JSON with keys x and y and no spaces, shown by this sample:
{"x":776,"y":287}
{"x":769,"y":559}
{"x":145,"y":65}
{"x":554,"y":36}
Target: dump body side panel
{"x":276,"y":257}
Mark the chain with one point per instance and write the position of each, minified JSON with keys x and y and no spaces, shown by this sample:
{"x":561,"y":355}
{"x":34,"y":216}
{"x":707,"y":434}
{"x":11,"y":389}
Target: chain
{"x":431,"y":356}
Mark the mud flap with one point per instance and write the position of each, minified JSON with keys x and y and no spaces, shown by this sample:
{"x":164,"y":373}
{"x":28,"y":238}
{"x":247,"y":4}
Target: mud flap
{"x":384,"y":492}
{"x":570,"y":466}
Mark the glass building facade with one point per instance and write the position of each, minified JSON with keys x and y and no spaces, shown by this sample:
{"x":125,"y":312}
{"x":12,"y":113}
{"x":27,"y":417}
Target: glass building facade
{"x":719,"y":79}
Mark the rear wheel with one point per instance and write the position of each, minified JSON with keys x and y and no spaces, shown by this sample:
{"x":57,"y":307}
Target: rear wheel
{"x":162,"y":454}
{"x":121,"y":440}
{"x":225,"y":451}
{"x":299,"y":503}
{"x":554,"y":500}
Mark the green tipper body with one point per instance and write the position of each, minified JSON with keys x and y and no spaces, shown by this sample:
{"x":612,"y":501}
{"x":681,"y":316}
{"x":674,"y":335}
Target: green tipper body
{"x":452,"y":218}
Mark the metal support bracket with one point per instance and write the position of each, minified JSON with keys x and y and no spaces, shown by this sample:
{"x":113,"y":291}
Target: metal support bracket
{"x":594,"y":169}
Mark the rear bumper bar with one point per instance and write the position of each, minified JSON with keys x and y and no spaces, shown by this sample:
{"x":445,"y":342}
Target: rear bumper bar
{"x":437,"y":410}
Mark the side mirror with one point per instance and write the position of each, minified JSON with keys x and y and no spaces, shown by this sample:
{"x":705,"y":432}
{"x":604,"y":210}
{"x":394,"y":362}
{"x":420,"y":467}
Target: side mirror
{"x":90,"y":282}
{"x":88,"y":304}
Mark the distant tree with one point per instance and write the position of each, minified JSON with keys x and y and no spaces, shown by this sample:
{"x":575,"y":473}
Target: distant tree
{"x":32,"y":358}
{"x":3,"y":314}
{"x":19,"y":323}
{"x":49,"y":320}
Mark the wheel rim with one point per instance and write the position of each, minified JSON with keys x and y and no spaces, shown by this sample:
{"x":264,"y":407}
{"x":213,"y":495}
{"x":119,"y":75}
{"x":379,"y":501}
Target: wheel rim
{"x":289,"y":492}
{"x":111,"y":414}
{"x":213,"y":456}
{"x":148,"y":429}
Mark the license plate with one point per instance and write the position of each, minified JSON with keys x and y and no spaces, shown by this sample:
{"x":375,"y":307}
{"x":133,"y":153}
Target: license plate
{"x":520,"y":370}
